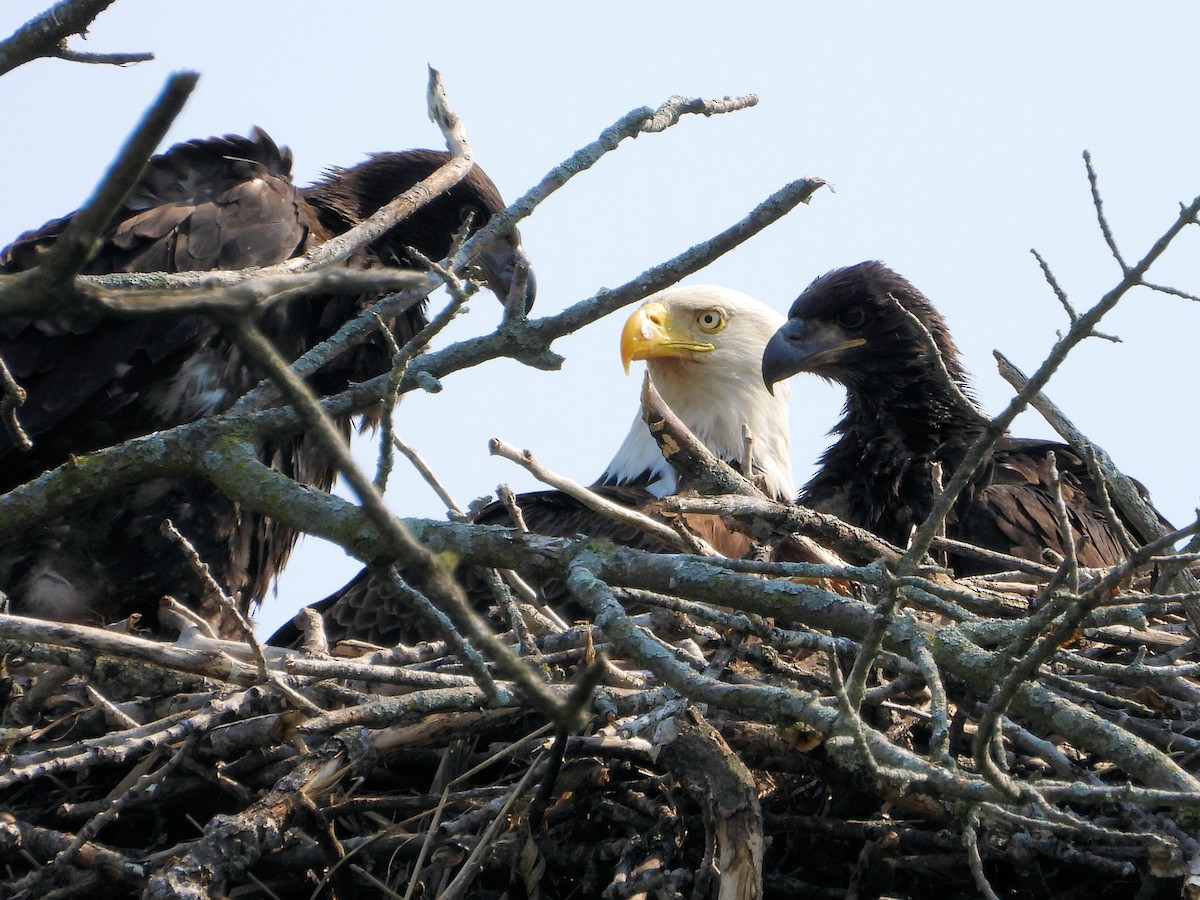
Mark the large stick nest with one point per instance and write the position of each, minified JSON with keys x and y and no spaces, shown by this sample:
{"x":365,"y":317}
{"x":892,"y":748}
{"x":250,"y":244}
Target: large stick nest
{"x":719,"y":749}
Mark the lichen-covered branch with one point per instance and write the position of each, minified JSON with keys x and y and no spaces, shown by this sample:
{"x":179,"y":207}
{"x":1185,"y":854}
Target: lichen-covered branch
{"x":45,"y":35}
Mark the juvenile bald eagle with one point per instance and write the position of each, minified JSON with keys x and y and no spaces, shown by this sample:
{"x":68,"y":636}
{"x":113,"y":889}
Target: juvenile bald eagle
{"x":853,"y":326}
{"x":702,"y":346}
{"x":220,"y":203}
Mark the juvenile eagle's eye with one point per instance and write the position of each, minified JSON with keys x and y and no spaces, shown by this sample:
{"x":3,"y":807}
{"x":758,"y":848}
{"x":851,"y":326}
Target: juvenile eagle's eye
{"x":853,"y":317}
{"x":711,"y":321}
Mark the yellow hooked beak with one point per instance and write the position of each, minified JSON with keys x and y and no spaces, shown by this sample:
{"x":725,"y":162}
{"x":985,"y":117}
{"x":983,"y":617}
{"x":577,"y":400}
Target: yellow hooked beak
{"x":652,"y":332}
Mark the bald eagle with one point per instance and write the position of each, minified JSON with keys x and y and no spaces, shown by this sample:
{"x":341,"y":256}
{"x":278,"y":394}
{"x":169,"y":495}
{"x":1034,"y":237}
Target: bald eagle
{"x":220,"y":203}
{"x":855,"y":326}
{"x":702,"y":346}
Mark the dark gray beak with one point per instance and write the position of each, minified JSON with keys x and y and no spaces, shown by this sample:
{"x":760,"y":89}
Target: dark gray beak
{"x":800,"y":346}
{"x":501,"y":263}
{"x":785,"y":353}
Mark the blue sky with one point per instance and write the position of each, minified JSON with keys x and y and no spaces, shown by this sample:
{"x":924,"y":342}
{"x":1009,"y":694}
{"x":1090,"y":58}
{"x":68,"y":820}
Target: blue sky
{"x":951,"y":134}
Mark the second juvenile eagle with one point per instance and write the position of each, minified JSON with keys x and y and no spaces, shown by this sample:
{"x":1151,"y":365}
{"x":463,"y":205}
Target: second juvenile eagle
{"x":703,"y":346}
{"x":97,"y":380}
{"x":858,"y":326}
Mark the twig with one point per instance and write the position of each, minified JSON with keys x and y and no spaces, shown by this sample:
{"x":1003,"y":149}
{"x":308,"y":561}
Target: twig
{"x":43,"y":35}
{"x":630,"y":125}
{"x":420,"y":565}
{"x":468,"y":623}
{"x":872,"y":643}
{"x":849,"y":721}
{"x":216,"y":593}
{"x":1066,"y":532}
{"x":1174,"y":292}
{"x":442,"y":623}
{"x":747,"y":451}
{"x":697,"y":467}
{"x":12,"y":398}
{"x":116,"y":866}
{"x":352,"y":333}
{"x":512,"y":613}
{"x":66,"y":54}
{"x":969,"y":411}
{"x":100,"y":641}
{"x":383,"y":468}
{"x":141,"y":787}
{"x":132,"y":743}
{"x":418,"y":463}
{"x":588,"y":498}
{"x":462,"y":881}
{"x":971,"y":842}
{"x":840,"y":537}
{"x":1101,"y":219}
{"x":1006,"y":562}
{"x":242,"y":289}
{"x":231,"y":609}
{"x":939,"y":739}
{"x":232,"y":844}
{"x":1072,"y":315}
{"x":1103,"y":498}
{"x":401,"y":356}
{"x":511,"y":503}
{"x":1055,"y":286}
{"x":450,"y":174}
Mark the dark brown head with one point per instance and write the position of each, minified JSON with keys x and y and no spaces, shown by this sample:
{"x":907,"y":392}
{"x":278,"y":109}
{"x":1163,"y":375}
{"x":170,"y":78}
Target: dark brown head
{"x":345,"y":197}
{"x":851,"y":326}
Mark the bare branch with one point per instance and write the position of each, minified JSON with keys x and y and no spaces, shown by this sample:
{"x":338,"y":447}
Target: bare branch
{"x":630,"y":125}
{"x":588,"y":498}
{"x":12,"y":397}
{"x":1174,"y":292}
{"x":66,"y":54}
{"x":455,"y":170}
{"x":830,"y":531}
{"x":244,"y":289}
{"x":110,"y":469}
{"x":26,"y":292}
{"x":696,"y":466}
{"x":1101,"y":219}
{"x":45,"y":35}
{"x":508,"y":497}
{"x":418,"y":463}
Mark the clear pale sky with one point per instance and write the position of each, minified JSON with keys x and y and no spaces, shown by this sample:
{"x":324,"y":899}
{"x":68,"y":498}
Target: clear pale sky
{"x":951,"y":135}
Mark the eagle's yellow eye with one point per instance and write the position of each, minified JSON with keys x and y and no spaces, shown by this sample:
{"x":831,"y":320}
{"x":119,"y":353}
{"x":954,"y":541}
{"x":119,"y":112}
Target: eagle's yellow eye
{"x":711,"y":321}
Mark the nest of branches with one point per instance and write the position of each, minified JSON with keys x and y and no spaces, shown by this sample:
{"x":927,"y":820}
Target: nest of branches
{"x":714,"y":727}
{"x":878,"y":736}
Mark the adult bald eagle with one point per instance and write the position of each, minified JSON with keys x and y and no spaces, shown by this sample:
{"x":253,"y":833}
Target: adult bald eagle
{"x":856,"y":326}
{"x":220,"y":203}
{"x":702,"y":346}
